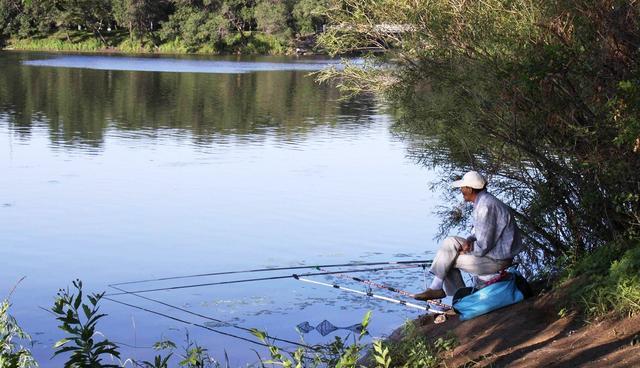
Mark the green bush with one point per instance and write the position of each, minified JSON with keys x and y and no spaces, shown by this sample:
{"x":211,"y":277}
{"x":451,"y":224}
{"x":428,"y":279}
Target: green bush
{"x":135,"y":45}
{"x":194,"y":29}
{"x":310,"y":15}
{"x":271,"y":16}
{"x":173,"y":47}
{"x":413,"y":351}
{"x":12,"y":354}
{"x":262,"y":43}
{"x":56,"y":44}
{"x":608,"y":281}
{"x":79,"y":320}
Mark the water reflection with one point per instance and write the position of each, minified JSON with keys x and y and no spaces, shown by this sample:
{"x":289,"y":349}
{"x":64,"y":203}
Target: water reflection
{"x":79,"y":105}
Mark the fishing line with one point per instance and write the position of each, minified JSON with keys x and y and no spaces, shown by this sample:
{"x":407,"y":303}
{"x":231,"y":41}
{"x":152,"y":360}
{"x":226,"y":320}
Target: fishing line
{"x":267,"y":269}
{"x":261,"y":279}
{"x":187,"y":322}
{"x":397,"y":301}
{"x":211,"y":318}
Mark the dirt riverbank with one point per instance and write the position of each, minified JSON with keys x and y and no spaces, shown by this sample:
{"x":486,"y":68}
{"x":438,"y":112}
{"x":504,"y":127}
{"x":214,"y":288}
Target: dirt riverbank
{"x":534,"y":334}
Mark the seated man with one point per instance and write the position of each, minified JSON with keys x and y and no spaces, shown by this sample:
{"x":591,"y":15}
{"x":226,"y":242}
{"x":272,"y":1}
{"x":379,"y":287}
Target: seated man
{"x":496,"y":240}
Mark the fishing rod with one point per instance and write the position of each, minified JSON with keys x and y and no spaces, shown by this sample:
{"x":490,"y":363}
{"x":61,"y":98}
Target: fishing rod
{"x":385,"y":287}
{"x":371,"y":283}
{"x":397,"y":301}
{"x":212,"y":319}
{"x":268,"y":269}
{"x":262,"y":279}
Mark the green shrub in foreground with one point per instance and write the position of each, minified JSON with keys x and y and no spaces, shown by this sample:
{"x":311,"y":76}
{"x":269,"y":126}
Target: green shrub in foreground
{"x":13,"y":355}
{"x":609,"y":281}
{"x":414,"y":350}
{"x":79,"y":320}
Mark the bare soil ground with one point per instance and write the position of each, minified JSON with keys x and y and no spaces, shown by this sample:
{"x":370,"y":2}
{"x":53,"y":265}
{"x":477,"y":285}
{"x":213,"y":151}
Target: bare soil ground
{"x":532,"y":334}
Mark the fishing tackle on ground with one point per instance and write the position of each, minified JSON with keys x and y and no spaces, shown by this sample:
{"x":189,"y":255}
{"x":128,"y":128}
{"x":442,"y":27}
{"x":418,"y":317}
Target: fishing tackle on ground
{"x":385,"y":287}
{"x":370,"y":294}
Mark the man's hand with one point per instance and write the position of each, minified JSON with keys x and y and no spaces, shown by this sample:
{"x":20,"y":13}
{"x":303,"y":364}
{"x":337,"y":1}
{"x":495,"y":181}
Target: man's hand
{"x":467,"y":247}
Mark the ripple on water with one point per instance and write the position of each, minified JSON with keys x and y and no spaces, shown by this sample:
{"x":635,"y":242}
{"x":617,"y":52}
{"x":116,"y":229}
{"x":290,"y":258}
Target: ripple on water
{"x":169,"y":65}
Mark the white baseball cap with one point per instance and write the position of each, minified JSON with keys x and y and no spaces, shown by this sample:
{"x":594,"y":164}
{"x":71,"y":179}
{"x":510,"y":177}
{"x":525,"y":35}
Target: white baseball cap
{"x":472,"y":180}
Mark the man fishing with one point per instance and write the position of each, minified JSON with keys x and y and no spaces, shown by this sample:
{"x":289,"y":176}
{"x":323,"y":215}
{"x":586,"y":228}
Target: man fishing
{"x":491,"y":247}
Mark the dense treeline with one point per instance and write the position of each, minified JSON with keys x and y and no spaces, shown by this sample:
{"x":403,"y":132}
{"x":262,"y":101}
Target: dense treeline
{"x":543,"y":97}
{"x":184,"y":25}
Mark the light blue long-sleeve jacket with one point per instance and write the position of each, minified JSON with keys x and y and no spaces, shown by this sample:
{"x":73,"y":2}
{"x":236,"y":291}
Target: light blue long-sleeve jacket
{"x":495,"y":230}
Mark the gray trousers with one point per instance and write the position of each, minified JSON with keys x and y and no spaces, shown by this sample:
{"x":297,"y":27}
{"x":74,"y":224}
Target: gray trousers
{"x":448,"y":263}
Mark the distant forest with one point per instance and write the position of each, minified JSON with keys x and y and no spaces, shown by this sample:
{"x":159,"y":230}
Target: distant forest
{"x":269,"y":26}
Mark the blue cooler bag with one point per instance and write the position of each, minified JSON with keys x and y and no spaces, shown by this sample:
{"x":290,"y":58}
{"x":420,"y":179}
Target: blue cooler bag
{"x":471,"y":302}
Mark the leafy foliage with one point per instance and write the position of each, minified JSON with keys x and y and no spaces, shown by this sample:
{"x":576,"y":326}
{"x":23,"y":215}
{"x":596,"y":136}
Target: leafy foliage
{"x":141,"y":17}
{"x":542,"y":97}
{"x":414,"y":350}
{"x":195,"y":28}
{"x":608,"y":281}
{"x":195,"y":25}
{"x":196,"y":356}
{"x":310,"y":15}
{"x":271,"y":16}
{"x":12,"y":354}
{"x":192,"y":356}
{"x":160,"y":361}
{"x":381,"y":354}
{"x":79,"y":319}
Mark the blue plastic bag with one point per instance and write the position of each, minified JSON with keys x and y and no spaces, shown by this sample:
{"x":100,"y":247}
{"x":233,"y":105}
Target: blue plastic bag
{"x":470,"y":302}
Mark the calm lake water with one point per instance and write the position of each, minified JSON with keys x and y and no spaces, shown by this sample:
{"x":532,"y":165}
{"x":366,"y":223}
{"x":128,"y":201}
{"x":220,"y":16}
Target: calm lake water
{"x":116,"y":169}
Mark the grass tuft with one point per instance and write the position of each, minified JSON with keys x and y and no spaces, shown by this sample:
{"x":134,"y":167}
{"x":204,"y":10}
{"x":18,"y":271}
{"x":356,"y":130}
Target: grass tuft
{"x":609,"y":281}
{"x":55,"y":44}
{"x":413,"y":350}
{"x":82,"y":41}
